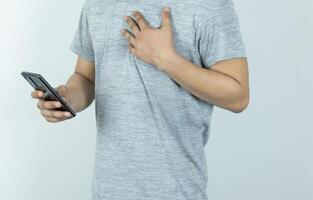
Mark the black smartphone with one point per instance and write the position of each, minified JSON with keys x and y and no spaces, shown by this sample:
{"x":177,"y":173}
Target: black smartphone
{"x":38,"y":82}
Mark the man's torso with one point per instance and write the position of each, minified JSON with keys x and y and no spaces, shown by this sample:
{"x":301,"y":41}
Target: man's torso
{"x":151,"y":131}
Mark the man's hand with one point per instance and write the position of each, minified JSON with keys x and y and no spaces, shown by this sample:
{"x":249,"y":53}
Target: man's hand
{"x":148,"y":43}
{"x":48,"y":108}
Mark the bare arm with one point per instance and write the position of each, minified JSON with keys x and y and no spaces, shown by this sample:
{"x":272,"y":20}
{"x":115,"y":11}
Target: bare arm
{"x":81,"y":85}
{"x":225,"y":84}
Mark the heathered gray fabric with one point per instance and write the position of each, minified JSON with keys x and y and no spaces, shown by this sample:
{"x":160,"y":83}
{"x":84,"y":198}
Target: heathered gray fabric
{"x":151,"y":132}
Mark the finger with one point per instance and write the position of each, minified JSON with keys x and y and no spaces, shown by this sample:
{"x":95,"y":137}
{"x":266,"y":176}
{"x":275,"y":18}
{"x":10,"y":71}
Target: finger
{"x":140,"y":19}
{"x":131,"y":49}
{"x":36,"y":94}
{"x":52,"y":120}
{"x":62,"y":90}
{"x":132,"y":24}
{"x":56,"y":114}
{"x":48,"y":105}
{"x":166,"y":22}
{"x":131,"y":39}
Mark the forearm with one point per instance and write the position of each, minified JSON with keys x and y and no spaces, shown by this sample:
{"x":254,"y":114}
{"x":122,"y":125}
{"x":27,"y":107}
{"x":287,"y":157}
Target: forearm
{"x":209,"y":85}
{"x":81,"y":91}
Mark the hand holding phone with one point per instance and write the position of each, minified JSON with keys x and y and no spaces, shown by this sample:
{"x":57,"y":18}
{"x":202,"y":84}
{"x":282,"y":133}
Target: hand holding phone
{"x":50,"y":109}
{"x":53,"y":103}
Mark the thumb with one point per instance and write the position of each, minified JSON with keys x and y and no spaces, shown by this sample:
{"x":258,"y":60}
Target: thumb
{"x":62,"y":90}
{"x":166,"y":17}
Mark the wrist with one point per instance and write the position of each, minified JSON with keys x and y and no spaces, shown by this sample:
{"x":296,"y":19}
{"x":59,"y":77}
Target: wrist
{"x":70,"y":99}
{"x":168,"y":61}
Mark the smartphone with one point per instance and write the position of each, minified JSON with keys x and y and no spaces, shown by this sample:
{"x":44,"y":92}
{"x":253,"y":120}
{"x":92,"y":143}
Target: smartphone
{"x":38,"y":82}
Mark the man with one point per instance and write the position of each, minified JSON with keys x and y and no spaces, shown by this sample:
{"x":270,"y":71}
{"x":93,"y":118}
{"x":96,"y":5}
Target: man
{"x":155,"y":75}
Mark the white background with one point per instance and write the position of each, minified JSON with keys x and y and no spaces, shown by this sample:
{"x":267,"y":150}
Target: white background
{"x":266,"y":152}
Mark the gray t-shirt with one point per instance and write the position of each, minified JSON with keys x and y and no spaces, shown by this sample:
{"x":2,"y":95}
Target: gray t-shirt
{"x":151,"y":132}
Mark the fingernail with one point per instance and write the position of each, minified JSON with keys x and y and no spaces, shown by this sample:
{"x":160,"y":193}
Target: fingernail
{"x":57,"y":104}
{"x":166,"y":9}
{"x":67,"y":114}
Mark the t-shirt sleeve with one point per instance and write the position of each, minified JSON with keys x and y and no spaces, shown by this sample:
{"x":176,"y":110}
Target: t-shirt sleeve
{"x":82,"y":42}
{"x":218,"y":36}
